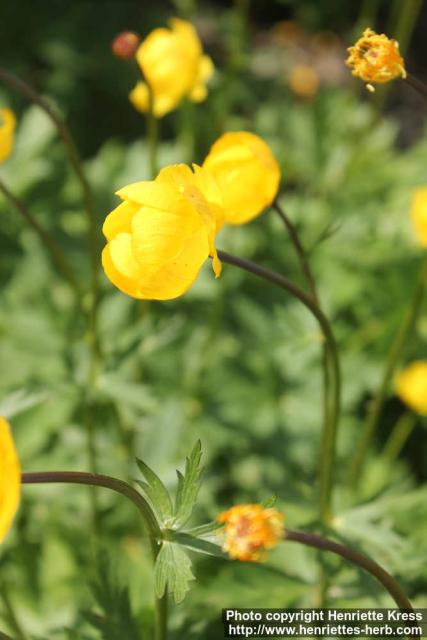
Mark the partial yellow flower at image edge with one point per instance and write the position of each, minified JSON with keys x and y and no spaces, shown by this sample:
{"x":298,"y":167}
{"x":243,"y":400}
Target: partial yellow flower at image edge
{"x":250,"y":530}
{"x":10,"y":479}
{"x":375,"y":58}
{"x":7,"y":128}
{"x":162,"y":233}
{"x":411,"y":386}
{"x":173,"y":66}
{"x":419,"y":215}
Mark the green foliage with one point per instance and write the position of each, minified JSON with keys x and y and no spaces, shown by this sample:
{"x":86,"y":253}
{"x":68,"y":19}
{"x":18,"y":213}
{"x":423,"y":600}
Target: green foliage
{"x":234,"y":363}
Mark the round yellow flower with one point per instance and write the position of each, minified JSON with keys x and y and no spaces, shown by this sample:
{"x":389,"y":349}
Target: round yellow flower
{"x":162,"y":233}
{"x":247,"y":173}
{"x":10,"y":479}
{"x":250,"y":529}
{"x":7,"y":128}
{"x":376,"y":58}
{"x":411,"y":386}
{"x":419,"y":215}
{"x":174,"y":67}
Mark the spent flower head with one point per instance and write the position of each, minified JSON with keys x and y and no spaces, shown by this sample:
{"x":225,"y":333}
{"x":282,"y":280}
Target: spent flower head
{"x":250,"y":530}
{"x":7,"y":129}
{"x":174,"y":67}
{"x":411,"y":386}
{"x":10,"y":479}
{"x":375,"y":58}
{"x":162,"y":233}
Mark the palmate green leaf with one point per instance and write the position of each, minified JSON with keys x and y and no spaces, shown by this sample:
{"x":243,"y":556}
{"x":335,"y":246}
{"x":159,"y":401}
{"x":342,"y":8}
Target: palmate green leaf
{"x":205,"y":529}
{"x":172,"y":572}
{"x":188,"y":486}
{"x":200,"y":545}
{"x":155,"y":491}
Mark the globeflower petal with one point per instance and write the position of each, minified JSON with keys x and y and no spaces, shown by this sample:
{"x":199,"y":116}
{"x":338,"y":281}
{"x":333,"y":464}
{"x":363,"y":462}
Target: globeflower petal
{"x":174,"y":67}
{"x":162,"y":233}
{"x":7,"y":128}
{"x":246,"y":172}
{"x":10,"y":479}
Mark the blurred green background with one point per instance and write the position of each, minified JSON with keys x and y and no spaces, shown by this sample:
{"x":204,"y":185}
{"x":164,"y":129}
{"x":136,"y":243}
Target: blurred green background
{"x":233,"y":362}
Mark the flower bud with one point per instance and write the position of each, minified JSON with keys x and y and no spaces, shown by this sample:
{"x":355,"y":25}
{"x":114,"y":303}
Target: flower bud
{"x":126,"y":44}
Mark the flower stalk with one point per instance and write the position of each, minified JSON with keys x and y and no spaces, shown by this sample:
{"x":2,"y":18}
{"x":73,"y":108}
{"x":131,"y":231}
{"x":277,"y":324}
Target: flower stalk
{"x":119,"y":486}
{"x":395,"y":353}
{"x":330,"y":433}
{"x":357,"y":558}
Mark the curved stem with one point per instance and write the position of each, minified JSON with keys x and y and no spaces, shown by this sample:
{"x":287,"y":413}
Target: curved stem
{"x":306,"y":268}
{"x":119,"y":486}
{"x":330,"y":434}
{"x":416,"y":84}
{"x":395,"y":353}
{"x":64,"y":133}
{"x":58,"y":257}
{"x":73,"y":155}
{"x":97,"y":480}
{"x":359,"y":559}
{"x":301,"y":252}
{"x":399,"y":436}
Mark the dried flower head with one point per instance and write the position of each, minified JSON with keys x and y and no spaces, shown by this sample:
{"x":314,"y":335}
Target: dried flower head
{"x":251,"y":529}
{"x":376,"y":58}
{"x":411,"y":386}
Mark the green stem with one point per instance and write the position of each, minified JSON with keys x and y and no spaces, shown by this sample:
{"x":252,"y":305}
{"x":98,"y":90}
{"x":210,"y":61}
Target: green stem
{"x":395,"y":353}
{"x":359,"y":559}
{"x":74,"y":158}
{"x":73,"y":155}
{"x":57,"y":256}
{"x":330,"y":433}
{"x":152,"y":137}
{"x":308,"y":274}
{"x":119,"y":486}
{"x":398,"y":437}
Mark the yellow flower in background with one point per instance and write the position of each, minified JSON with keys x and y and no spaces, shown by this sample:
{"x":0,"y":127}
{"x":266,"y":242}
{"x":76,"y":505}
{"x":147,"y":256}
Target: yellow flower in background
{"x":10,"y":479}
{"x":246,"y":172}
{"x":174,"y":67}
{"x":162,"y":233}
{"x":250,"y":530}
{"x":411,"y":386}
{"x":304,"y":80}
{"x":419,"y":215}
{"x":7,"y":128}
{"x":376,"y":58}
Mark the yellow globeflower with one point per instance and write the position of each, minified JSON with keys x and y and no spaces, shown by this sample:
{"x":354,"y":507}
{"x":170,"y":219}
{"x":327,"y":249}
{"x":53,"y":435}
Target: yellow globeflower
{"x":411,"y":386}
{"x":162,"y":233}
{"x":419,"y":215}
{"x":250,"y":529}
{"x":174,"y":67}
{"x":10,"y":479}
{"x":246,"y":172}
{"x":376,"y":58}
{"x":7,"y":128}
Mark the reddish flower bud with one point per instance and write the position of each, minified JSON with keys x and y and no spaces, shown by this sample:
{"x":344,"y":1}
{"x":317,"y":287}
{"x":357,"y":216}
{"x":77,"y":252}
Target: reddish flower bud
{"x":126,"y":44}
